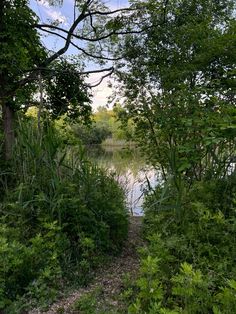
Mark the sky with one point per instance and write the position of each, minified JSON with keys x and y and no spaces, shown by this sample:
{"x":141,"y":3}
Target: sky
{"x":64,"y":15}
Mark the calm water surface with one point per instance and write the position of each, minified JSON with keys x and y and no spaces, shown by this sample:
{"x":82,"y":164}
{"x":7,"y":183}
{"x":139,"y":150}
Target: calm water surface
{"x":131,"y":172}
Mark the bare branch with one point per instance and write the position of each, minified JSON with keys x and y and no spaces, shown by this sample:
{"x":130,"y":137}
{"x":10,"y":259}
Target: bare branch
{"x":41,"y":26}
{"x":89,"y":14}
{"x":101,"y":79}
{"x":101,"y":57}
{"x":104,"y":36}
{"x":113,"y":12}
{"x":68,"y":36}
{"x":34,"y":75}
{"x":61,"y":51}
{"x":111,"y":69}
{"x":91,"y":23}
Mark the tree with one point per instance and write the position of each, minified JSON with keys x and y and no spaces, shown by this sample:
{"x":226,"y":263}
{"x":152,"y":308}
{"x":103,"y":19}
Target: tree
{"x":176,"y":90}
{"x":18,"y":54}
{"x":24,"y":60}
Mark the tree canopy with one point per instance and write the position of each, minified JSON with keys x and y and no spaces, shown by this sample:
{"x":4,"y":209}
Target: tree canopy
{"x":179,"y":85}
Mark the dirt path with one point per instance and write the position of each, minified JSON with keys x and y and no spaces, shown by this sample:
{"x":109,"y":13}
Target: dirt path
{"x":107,"y":284}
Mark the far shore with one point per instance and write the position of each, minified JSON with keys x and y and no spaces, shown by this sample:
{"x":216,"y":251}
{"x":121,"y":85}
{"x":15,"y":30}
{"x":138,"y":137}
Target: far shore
{"x":120,"y":143}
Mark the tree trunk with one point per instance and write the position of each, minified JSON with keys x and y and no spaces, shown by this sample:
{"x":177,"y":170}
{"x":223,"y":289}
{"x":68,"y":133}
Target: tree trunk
{"x":8,"y":129}
{"x":7,"y":111}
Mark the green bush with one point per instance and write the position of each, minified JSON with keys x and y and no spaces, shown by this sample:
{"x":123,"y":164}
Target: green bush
{"x":23,"y":267}
{"x":191,"y":253}
{"x":92,"y":135}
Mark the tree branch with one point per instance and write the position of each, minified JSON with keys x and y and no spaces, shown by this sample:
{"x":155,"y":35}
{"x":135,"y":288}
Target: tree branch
{"x":41,"y":26}
{"x":113,"y":12}
{"x":101,"y":57}
{"x":69,"y":34}
{"x":97,"y":38}
{"x":111,"y":69}
{"x":95,"y":56}
{"x":101,"y":79}
{"x":35,"y":72}
{"x":61,"y":51}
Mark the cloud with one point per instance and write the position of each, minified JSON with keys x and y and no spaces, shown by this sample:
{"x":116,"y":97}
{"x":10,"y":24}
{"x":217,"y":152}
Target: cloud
{"x":55,"y":15}
{"x":44,"y":3}
{"x":117,"y":4}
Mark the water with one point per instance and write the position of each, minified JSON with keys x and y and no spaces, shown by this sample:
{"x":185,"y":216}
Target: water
{"x":131,"y":172}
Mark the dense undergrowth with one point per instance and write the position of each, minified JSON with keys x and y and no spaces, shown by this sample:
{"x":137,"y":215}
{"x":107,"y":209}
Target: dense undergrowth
{"x":60,"y":214}
{"x":188,"y":265}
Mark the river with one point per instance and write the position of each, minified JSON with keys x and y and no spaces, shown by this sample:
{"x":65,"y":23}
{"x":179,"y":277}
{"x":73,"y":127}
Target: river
{"x":131,"y":171}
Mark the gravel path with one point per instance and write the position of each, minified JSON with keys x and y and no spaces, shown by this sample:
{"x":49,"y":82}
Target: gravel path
{"x":108,"y":278}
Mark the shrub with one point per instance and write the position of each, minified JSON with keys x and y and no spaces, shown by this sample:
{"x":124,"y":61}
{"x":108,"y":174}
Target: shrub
{"x":92,"y":135}
{"x":23,"y":267}
{"x":191,"y":254}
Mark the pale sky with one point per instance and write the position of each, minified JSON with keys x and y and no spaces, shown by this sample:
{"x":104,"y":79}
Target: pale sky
{"x":64,"y":15}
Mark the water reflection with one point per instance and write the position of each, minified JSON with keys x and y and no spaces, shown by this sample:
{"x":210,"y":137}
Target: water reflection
{"x":131,"y":171}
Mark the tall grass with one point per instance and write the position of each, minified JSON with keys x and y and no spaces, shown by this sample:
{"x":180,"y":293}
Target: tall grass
{"x":61,"y":197}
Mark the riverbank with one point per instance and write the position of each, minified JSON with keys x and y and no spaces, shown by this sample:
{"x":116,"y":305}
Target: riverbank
{"x":118,"y":143}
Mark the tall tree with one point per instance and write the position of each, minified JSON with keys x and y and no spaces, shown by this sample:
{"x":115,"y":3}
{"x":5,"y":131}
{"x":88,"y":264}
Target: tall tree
{"x":180,"y":85}
{"x":18,"y":55}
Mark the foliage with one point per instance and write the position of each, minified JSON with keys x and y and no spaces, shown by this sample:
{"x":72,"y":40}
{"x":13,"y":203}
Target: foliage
{"x":110,"y":119}
{"x":105,"y":126}
{"x":175,"y":89}
{"x":150,"y":289}
{"x":32,"y":268}
{"x":60,"y":213}
{"x":27,"y":67}
{"x":65,"y":91}
{"x":184,"y":117}
{"x":18,"y":53}
{"x":188,"y":266}
{"x":87,"y":304}
{"x":91,"y":135}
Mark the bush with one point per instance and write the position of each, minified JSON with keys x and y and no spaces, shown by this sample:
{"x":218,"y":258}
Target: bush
{"x":23,"y":267}
{"x":191,"y":254}
{"x":92,"y":135}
